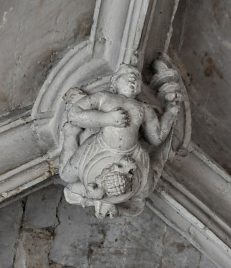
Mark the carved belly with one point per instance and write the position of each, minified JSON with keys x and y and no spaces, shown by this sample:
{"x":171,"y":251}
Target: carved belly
{"x":121,"y":138}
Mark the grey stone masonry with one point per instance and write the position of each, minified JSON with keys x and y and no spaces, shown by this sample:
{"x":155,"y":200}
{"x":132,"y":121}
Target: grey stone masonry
{"x":10,"y":223}
{"x":47,"y":232}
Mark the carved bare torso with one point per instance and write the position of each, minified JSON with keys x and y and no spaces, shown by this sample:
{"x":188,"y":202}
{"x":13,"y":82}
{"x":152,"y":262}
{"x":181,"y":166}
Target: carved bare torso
{"x":122,"y":138}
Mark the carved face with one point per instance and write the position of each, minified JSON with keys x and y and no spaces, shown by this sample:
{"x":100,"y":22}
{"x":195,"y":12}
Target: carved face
{"x":128,"y":85}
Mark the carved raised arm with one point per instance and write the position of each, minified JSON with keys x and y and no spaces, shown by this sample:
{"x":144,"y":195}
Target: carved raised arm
{"x":88,"y":113}
{"x":165,"y":82}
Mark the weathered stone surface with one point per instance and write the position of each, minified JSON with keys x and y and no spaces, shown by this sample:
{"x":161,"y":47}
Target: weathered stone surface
{"x":33,"y":249}
{"x":33,"y":34}
{"x":131,"y":242}
{"x":206,"y":263}
{"x":81,"y":240}
{"x":144,"y":241}
{"x":178,"y":252}
{"x":202,"y":40}
{"x":10,"y":220}
{"x":41,"y":206}
{"x":70,"y":246}
{"x":55,"y":265}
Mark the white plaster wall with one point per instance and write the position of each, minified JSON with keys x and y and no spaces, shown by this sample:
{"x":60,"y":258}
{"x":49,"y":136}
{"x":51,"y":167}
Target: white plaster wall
{"x":33,"y":36}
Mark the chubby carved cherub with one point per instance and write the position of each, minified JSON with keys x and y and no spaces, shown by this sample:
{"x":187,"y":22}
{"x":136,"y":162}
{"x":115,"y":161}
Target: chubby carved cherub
{"x":109,"y":168}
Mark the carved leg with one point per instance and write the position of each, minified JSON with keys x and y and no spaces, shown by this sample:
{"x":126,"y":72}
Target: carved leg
{"x":75,"y":193}
{"x":103,"y":210}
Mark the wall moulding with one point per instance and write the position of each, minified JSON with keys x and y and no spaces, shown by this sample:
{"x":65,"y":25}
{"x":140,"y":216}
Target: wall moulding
{"x":193,"y":229}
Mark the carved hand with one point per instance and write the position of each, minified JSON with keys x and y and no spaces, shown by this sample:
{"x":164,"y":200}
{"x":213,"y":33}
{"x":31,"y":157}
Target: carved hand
{"x":118,"y":118}
{"x":70,"y":130}
{"x":167,"y":83}
{"x":173,"y":108}
{"x":170,"y":92}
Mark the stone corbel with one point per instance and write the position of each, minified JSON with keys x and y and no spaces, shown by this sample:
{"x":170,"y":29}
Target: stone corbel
{"x":117,"y":37}
{"x":116,"y":141}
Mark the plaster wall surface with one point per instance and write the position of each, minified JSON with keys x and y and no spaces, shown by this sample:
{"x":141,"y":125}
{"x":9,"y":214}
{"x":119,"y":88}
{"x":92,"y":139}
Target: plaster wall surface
{"x":33,"y":36}
{"x":202,"y":41}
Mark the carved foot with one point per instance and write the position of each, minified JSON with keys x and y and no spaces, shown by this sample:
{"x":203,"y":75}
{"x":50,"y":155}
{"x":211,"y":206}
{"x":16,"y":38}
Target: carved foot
{"x":103,"y":210}
{"x":76,"y":194}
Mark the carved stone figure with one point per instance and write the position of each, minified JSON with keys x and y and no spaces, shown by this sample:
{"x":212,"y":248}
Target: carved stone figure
{"x":115,"y":144}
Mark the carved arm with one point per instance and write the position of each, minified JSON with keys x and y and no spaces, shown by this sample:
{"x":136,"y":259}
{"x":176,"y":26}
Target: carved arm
{"x":88,"y":113}
{"x":155,"y":130}
{"x":166,"y":83}
{"x":85,"y":113}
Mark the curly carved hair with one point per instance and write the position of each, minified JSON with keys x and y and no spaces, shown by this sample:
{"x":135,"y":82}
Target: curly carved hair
{"x":124,"y":69}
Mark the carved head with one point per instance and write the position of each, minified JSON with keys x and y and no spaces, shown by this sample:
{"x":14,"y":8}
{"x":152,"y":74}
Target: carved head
{"x":118,"y":178}
{"x":127,"y":81}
